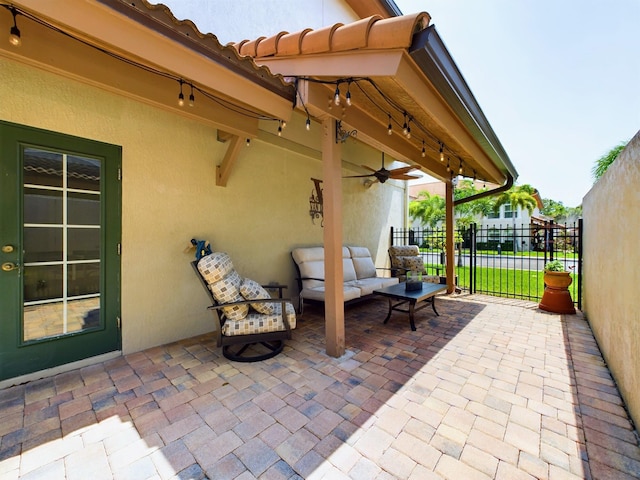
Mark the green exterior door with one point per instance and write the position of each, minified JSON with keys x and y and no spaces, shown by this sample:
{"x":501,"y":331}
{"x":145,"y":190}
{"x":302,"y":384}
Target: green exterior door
{"x":60,"y":222}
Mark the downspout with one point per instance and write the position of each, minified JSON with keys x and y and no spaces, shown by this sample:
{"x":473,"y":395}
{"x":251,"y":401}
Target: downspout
{"x":508,"y":184}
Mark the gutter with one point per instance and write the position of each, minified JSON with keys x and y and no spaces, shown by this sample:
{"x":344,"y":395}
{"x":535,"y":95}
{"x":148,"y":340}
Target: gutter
{"x":508,"y":184}
{"x":432,"y":57}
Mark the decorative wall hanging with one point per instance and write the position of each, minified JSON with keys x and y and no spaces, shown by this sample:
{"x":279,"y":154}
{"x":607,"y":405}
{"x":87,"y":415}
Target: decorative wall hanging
{"x":315,"y":202}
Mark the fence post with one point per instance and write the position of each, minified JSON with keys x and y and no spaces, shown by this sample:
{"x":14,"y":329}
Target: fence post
{"x":580,"y":263}
{"x":472,"y":259}
{"x":551,"y":240}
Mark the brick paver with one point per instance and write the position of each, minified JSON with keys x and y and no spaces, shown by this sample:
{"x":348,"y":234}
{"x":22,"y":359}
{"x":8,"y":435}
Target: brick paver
{"x":491,"y":389}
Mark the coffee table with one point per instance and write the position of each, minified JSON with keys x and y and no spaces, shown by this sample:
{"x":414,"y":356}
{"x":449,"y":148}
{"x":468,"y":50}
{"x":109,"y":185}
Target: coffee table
{"x":401,"y":296}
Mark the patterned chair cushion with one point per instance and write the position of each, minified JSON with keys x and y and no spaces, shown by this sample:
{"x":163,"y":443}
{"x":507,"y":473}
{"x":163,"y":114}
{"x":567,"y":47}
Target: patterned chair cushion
{"x":252,"y":290}
{"x":415,"y":264}
{"x":261,"y":323}
{"x":227,"y":290}
{"x":215,"y":267}
{"x":398,"y":252}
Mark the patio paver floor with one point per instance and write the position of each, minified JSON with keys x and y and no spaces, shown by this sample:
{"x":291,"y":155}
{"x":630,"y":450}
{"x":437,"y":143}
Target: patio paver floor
{"x":491,"y":388}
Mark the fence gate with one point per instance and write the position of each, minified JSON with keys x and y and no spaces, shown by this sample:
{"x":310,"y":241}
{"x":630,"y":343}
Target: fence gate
{"x":502,"y":260}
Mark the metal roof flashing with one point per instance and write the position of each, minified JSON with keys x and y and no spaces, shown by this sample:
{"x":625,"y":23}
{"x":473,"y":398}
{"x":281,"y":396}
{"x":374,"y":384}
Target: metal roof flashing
{"x":430,"y":54}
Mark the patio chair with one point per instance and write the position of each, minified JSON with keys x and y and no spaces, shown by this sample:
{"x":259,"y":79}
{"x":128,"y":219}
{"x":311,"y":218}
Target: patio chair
{"x":407,"y":258}
{"x":253,"y":325}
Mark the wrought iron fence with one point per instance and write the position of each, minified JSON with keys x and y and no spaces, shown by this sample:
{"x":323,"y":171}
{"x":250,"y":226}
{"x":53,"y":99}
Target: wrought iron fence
{"x":501,"y":259}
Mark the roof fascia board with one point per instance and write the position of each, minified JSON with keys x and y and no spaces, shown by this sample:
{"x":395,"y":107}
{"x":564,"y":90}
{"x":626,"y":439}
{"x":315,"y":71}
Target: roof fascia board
{"x":427,"y":97}
{"x":100,"y":24}
{"x":366,"y":63}
{"x":433,"y":58}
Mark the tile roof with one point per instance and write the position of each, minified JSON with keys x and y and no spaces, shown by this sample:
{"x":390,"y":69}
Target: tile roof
{"x":370,"y":33}
{"x":160,"y":18}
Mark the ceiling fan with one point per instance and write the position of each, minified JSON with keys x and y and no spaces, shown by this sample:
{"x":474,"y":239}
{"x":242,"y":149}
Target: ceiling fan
{"x":383,"y":174}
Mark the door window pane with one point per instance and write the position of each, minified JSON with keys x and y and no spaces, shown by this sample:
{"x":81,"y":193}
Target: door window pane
{"x":42,"y":206}
{"x":83,"y":209}
{"x":83,"y":279}
{"x":42,"y":282}
{"x":42,"y":244}
{"x":83,"y":244}
{"x":83,"y":173}
{"x":42,"y":167}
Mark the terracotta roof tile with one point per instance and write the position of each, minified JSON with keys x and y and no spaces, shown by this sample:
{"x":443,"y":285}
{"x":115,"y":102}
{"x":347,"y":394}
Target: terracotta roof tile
{"x":354,"y":35}
{"x":319,"y":41}
{"x":373,"y":32}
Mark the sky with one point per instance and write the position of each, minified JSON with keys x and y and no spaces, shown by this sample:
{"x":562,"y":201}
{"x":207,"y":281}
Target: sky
{"x":558,"y":80}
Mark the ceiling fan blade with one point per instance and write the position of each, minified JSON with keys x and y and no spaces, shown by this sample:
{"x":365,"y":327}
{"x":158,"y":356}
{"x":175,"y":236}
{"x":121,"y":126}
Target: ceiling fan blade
{"x":405,"y":169}
{"x":359,"y":176}
{"x":369,"y":168}
{"x":404,"y":176}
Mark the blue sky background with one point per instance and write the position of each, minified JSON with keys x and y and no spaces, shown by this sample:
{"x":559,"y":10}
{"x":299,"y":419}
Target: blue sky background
{"x":558,"y":80}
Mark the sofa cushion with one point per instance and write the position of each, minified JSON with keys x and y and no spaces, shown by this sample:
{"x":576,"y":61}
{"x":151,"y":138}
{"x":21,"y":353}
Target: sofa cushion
{"x":261,"y":323}
{"x":317,"y":293}
{"x":362,"y":262}
{"x":252,"y":290}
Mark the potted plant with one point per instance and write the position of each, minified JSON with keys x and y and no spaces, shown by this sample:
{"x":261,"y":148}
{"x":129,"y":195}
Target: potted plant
{"x":556,"y":297}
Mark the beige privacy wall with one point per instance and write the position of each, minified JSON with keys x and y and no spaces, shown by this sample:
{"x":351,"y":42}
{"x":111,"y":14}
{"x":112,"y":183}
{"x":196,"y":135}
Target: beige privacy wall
{"x":169,"y":195}
{"x":612,"y":270}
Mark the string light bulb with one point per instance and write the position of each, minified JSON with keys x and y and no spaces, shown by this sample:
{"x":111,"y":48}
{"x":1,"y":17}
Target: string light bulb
{"x":280,"y":128}
{"x":460,"y":169}
{"x":442,"y":152}
{"x":248,"y":144}
{"x":283,"y":123}
{"x":448,"y":166}
{"x":14,"y":33}
{"x":348,"y":96}
{"x":389,"y":127}
{"x":404,"y":125}
{"x":192,"y":99}
{"x":181,"y":96}
{"x":424,"y":152}
{"x":409,"y":128}
{"x":308,"y":124}
{"x":336,"y":96}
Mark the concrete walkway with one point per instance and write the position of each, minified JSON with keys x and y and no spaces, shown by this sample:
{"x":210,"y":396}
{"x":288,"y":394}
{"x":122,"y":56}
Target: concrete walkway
{"x":490,"y":389}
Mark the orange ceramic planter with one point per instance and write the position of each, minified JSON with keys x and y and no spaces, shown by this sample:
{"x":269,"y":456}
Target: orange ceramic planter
{"x":556,"y":297}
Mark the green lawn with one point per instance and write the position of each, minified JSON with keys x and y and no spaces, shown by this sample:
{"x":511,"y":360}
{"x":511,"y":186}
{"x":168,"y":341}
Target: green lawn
{"x":526,"y":284}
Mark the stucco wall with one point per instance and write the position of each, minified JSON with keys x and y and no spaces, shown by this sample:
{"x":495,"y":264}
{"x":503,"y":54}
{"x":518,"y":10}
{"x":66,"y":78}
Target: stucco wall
{"x":611,"y":270}
{"x":248,"y":19}
{"x":170,"y":196}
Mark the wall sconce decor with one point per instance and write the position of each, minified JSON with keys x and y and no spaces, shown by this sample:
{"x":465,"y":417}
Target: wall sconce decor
{"x":342,"y":134}
{"x":315,"y":202}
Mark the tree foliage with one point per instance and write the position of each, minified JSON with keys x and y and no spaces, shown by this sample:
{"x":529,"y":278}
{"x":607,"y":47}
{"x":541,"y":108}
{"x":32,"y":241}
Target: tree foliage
{"x":604,"y":162}
{"x":518,"y":197}
{"x":427,"y":209}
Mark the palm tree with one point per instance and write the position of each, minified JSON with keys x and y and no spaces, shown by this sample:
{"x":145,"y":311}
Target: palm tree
{"x":520,"y":198}
{"x":605,"y":161}
{"x":427,"y":209}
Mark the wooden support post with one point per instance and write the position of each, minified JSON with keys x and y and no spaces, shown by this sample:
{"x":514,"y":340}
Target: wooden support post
{"x":332,"y":212}
{"x":450,"y":246}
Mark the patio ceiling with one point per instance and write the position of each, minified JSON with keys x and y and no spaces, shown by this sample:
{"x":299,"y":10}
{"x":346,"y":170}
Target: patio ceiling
{"x":141,"y":50}
{"x":394,"y":68}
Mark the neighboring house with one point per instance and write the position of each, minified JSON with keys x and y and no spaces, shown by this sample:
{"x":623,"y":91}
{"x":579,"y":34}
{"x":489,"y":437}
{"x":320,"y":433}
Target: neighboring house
{"x":91,"y":126}
{"x":495,"y":226}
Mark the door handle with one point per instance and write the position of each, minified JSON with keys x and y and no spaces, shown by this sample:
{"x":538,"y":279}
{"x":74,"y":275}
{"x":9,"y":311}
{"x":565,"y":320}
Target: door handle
{"x":8,"y":266}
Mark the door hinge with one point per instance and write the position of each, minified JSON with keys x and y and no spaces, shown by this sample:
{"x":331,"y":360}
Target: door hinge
{"x":119,"y":174}
{"x":119,"y":248}
{"x":118,"y":322}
